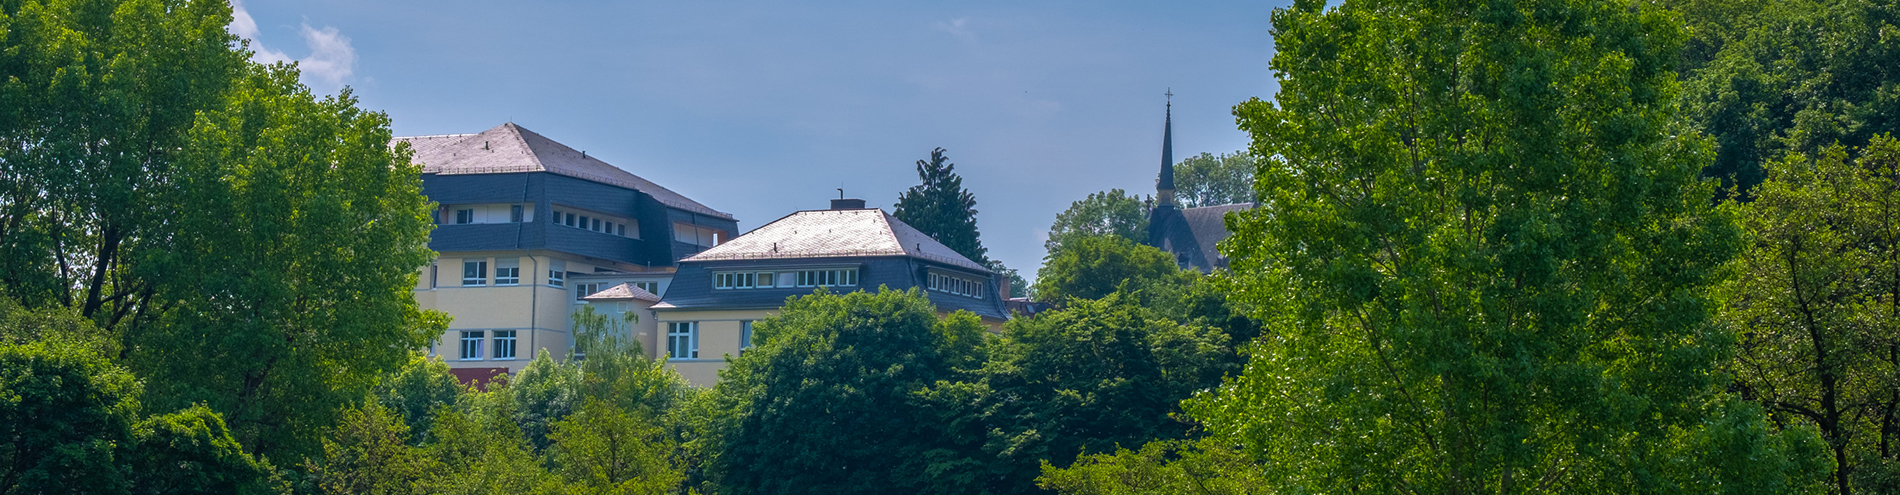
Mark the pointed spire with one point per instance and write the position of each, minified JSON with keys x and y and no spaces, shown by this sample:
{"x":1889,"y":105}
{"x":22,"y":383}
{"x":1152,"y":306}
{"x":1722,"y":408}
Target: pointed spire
{"x":1164,"y":188}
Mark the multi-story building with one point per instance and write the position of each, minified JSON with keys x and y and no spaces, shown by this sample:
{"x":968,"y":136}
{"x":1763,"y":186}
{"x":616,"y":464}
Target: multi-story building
{"x":527,"y":227}
{"x":717,"y":294}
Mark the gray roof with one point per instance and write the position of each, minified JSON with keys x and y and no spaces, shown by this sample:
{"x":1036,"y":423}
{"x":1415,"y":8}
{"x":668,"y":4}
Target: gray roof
{"x":622,"y":292}
{"x":1209,"y":226}
{"x":509,"y":148}
{"x":836,"y":234}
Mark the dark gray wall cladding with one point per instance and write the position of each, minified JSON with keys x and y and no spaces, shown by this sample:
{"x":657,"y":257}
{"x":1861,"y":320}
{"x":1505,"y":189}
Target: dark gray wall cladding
{"x":597,"y":245}
{"x":681,"y":250}
{"x":989,"y":305}
{"x":655,"y":230}
{"x":479,"y":237}
{"x":692,"y":284}
{"x":563,"y":190}
{"x":481,"y":188}
{"x":614,"y":200}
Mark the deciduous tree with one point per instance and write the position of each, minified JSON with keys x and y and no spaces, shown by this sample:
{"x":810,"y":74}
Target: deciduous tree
{"x":1208,"y":179}
{"x":1111,"y":212}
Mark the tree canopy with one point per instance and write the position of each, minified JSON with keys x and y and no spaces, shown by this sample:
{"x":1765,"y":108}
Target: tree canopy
{"x":1208,"y":179}
{"x":941,"y":208}
{"x":1112,"y":212}
{"x":1092,"y":267}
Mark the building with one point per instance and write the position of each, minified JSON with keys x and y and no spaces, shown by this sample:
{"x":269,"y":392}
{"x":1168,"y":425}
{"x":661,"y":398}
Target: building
{"x":526,"y":227}
{"x":716,"y":295}
{"x":1190,"y":234}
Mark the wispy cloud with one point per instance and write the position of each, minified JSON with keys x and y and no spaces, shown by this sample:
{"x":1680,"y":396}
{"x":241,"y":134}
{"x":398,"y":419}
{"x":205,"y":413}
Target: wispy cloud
{"x":331,"y":61}
{"x":958,"y":28}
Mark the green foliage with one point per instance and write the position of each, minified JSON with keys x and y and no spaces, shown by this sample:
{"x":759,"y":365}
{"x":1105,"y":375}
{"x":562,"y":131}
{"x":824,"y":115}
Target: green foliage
{"x":941,"y":208}
{"x":825,"y":405}
{"x":1017,"y":286}
{"x":69,"y":413}
{"x":1817,"y":298}
{"x":1092,"y":267}
{"x":192,"y":452}
{"x":544,"y":392}
{"x":1206,"y":467}
{"x":416,"y":391}
{"x":1087,"y":378}
{"x":369,"y":453}
{"x":604,"y":449}
{"x":484,"y":450}
{"x":1112,"y":212}
{"x":1212,"y":180}
{"x":1768,"y":77}
{"x":1484,"y":257}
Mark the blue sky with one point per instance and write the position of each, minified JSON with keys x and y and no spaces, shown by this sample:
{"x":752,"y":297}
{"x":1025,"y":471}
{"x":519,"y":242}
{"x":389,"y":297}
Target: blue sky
{"x":762,"y":108}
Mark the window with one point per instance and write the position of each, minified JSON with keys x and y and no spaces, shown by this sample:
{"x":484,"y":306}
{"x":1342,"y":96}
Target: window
{"x":507,"y":271}
{"x":734,"y":280}
{"x":584,"y":290}
{"x":504,"y":344}
{"x":583,"y":224}
{"x":570,"y":219}
{"x":596,"y":223}
{"x":432,"y":274}
{"x":745,"y":336}
{"x":475,"y":272}
{"x":514,"y":213}
{"x":620,"y":230}
{"x":557,"y":273}
{"x":466,"y":215}
{"x":956,"y":285}
{"x":764,"y":280}
{"x":472,"y":345}
{"x":653,"y":287}
{"x":596,"y":227}
{"x":695,"y":235}
{"x":435,"y":217}
{"x":841,"y":277}
{"x":682,"y":340}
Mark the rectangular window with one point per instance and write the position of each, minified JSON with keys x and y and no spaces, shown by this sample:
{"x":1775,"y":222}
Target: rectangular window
{"x":557,"y":273}
{"x":653,"y":287}
{"x":735,"y":280}
{"x":815,"y":278}
{"x":507,"y":271}
{"x":764,"y":280}
{"x":514,"y":213}
{"x":745,"y":336}
{"x":620,"y":230}
{"x":504,"y":344}
{"x":584,"y":290}
{"x":433,"y":270}
{"x":465,"y":216}
{"x":435,"y":217}
{"x":475,"y":272}
{"x":596,"y":226}
{"x":956,"y":285}
{"x":682,"y":340}
{"x":472,"y":345}
{"x":570,"y":220}
{"x":584,"y":219}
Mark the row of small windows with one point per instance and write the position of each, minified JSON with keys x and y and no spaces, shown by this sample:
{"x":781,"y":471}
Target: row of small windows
{"x":845,"y":277}
{"x":495,"y":213}
{"x":503,"y":344}
{"x":507,"y":271}
{"x":956,"y":285}
{"x":596,"y":223}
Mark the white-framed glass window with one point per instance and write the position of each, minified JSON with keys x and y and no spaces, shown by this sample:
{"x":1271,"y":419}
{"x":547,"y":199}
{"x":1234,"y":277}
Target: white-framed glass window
{"x":961,"y":286}
{"x":620,"y":230}
{"x":570,"y":220}
{"x":845,"y":277}
{"x":745,"y":336}
{"x":734,"y":280}
{"x":474,"y":272}
{"x":584,"y":290}
{"x":595,"y":222}
{"x":763,"y":280}
{"x":653,"y":287}
{"x":504,"y":344}
{"x":557,"y":273}
{"x":472,"y":344}
{"x":465,"y":215}
{"x":596,"y":226}
{"x":682,"y":340}
{"x":507,"y":271}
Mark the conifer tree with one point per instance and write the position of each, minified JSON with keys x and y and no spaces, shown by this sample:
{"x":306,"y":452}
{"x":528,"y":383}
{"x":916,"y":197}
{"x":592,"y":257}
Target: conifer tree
{"x":941,"y":208}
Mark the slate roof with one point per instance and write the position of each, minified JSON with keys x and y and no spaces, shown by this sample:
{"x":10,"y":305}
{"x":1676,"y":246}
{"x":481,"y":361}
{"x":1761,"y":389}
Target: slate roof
{"x":836,"y":234}
{"x":1209,"y":226}
{"x":622,"y":291}
{"x":510,"y":148}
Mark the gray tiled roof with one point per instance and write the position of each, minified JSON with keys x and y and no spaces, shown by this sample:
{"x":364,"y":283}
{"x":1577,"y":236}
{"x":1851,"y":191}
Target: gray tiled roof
{"x":1208,"y":223}
{"x":834,"y":234}
{"x":622,"y":291}
{"x":509,"y":148}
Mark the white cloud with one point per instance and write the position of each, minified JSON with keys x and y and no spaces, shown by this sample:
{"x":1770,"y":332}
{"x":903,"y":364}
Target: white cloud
{"x":331,"y":62}
{"x":958,"y":28}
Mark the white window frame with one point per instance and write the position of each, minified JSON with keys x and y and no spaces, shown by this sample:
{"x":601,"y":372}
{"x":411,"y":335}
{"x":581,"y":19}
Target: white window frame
{"x":481,"y":273}
{"x":464,"y":216}
{"x":506,"y":274}
{"x":557,"y":273}
{"x":472,"y":345}
{"x":504,"y":345}
{"x":831,"y":277}
{"x":745,"y":336}
{"x":682,"y":333}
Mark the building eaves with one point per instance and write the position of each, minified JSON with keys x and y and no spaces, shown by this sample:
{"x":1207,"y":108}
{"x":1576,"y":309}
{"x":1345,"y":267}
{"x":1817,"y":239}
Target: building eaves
{"x":510,"y":148}
{"x":868,"y":232}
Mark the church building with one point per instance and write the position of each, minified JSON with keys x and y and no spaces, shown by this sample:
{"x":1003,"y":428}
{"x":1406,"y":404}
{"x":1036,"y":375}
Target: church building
{"x":1190,"y":234}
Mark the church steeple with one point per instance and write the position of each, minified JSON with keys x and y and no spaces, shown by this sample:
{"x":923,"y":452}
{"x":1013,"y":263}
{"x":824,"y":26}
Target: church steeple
{"x":1164,"y":188}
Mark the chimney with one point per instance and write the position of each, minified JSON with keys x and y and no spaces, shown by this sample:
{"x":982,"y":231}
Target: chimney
{"x":847,"y":204}
{"x":1002,"y":287}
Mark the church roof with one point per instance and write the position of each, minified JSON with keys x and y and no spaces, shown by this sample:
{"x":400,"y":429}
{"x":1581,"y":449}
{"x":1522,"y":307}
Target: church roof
{"x":510,"y":148}
{"x":836,"y":234}
{"x":1209,"y":226}
{"x":622,"y":291}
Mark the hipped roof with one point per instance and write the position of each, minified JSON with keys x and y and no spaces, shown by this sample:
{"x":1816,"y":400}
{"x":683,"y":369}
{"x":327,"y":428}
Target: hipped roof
{"x":510,"y":148}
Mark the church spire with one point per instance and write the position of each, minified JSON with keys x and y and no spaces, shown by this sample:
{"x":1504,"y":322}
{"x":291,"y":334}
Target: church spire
{"x":1164,"y":188}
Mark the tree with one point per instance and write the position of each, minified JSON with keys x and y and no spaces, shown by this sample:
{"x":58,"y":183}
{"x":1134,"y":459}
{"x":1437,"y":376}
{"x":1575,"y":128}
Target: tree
{"x":544,"y":392}
{"x":1092,"y":267}
{"x":941,"y":208}
{"x":1112,"y":212}
{"x":1211,"y":180}
{"x":1484,"y":258}
{"x":1768,"y":77}
{"x":825,"y":405}
{"x":604,"y":449}
{"x":489,"y":454}
{"x":416,"y":391}
{"x":1010,"y":278}
{"x":192,"y":452}
{"x":368,"y":453}
{"x":1817,"y":300}
{"x":1206,"y":467}
{"x":1086,"y":378}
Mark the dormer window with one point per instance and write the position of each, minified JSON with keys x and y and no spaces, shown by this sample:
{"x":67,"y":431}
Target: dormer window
{"x":955,"y":284}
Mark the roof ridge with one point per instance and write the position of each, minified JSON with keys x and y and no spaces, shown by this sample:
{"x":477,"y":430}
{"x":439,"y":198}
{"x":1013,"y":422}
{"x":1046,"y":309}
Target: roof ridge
{"x":515,"y":131}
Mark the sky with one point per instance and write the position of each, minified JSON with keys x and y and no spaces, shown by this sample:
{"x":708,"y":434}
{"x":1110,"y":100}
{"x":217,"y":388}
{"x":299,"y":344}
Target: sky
{"x":763,"y":108}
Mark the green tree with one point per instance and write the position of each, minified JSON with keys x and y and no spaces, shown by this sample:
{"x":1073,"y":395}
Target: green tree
{"x":483,"y":450}
{"x":1484,"y":257}
{"x":604,"y":449}
{"x":368,"y":452}
{"x":1092,"y":267}
{"x":1206,"y":467}
{"x":417,"y":390}
{"x":544,"y":392}
{"x":1211,"y":180}
{"x":941,"y":208}
{"x":826,"y":406}
{"x":192,"y":452}
{"x":1111,"y":212}
{"x":1817,"y":300}
{"x":617,"y":371}
{"x":1767,"y":77}
{"x":1087,"y":378}
{"x":1010,"y":278}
